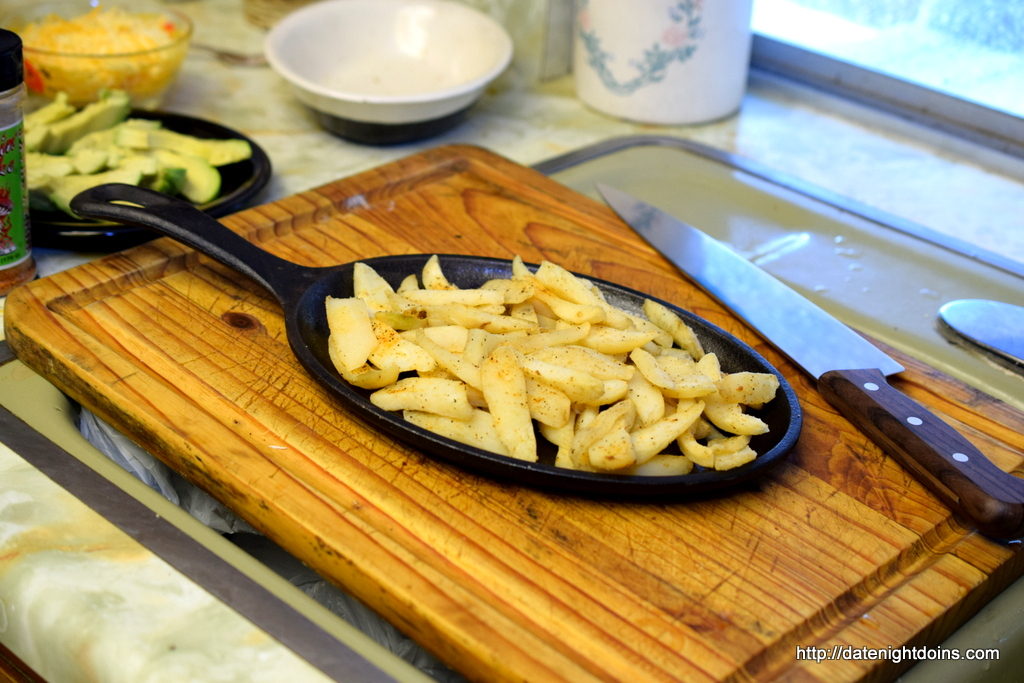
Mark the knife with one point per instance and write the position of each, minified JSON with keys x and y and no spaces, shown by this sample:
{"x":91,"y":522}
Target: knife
{"x":850,"y":371}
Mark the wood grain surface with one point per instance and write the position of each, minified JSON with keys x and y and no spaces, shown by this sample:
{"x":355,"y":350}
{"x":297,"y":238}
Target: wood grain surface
{"x":838,"y":546}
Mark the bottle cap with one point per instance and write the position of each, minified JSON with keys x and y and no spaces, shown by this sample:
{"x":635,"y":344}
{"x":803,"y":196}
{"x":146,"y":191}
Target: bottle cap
{"x":11,"y":68}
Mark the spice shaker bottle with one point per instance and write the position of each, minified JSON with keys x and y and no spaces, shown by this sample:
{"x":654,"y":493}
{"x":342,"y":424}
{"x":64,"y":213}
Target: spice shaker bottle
{"x":16,"y":262}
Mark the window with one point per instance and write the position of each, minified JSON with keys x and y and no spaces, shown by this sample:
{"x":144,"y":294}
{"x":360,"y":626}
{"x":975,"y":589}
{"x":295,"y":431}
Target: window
{"x":956,"y":64}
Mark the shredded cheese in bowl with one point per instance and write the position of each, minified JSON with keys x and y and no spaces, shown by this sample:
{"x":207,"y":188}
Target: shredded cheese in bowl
{"x":104,"y":48}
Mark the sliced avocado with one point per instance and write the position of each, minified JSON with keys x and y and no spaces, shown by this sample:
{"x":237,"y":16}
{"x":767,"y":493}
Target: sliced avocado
{"x":37,"y":123}
{"x":35,"y":138}
{"x":55,"y":110}
{"x":62,"y":190}
{"x":105,"y":138}
{"x":145,"y":164}
{"x":41,"y":168}
{"x":134,"y":137}
{"x":112,"y":107}
{"x":168,"y":180}
{"x":202,"y":180}
{"x":89,"y":160}
{"x":115,"y":155}
{"x":218,"y":152}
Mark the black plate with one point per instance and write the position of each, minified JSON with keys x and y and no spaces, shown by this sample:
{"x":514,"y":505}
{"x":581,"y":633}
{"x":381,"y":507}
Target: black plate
{"x":241,"y":182}
{"x":302,"y":290}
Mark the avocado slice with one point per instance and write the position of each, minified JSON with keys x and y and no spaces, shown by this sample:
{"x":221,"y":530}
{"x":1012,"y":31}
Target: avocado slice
{"x":106,"y":138}
{"x":112,"y":107}
{"x":146,"y":164}
{"x":167,"y":180}
{"x":135,"y":137}
{"x":60,"y":191}
{"x":55,"y":110}
{"x":89,"y":160}
{"x":202,"y":180}
{"x":36,"y":123}
{"x":218,"y":152}
{"x":35,"y":138}
{"x":41,"y":168}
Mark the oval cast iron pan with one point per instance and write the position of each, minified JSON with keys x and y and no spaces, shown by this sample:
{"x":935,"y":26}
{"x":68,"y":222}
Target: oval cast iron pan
{"x":301,"y":291}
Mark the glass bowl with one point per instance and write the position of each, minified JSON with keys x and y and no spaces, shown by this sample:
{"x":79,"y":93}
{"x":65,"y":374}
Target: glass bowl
{"x":82,"y":47}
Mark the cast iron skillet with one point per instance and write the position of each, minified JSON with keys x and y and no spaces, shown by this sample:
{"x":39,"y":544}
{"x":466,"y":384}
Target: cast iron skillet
{"x":301,"y":291}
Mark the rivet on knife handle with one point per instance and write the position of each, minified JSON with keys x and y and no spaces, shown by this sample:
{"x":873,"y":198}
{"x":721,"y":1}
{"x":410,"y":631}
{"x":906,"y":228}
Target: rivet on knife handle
{"x":991,"y":499}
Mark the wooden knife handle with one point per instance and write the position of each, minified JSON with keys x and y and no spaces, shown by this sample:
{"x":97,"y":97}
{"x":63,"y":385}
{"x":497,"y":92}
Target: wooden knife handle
{"x":990,"y":499}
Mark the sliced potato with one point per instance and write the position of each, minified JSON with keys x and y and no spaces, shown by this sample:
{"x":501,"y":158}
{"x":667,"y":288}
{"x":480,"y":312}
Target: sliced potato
{"x":572,"y":313}
{"x":663,"y":466}
{"x":525,"y":311}
{"x":369,"y":286}
{"x":667,"y":320}
{"x":648,"y":366}
{"x":579,"y":386}
{"x":613,"y":451}
{"x":519,"y":269}
{"x":731,"y":418}
{"x":447,"y":297}
{"x":615,"y":390}
{"x":512,"y":291}
{"x":367,"y":376}
{"x":408,"y":283}
{"x":559,"y":436}
{"x":548,"y":405}
{"x":653,"y":439}
{"x":433,"y":276}
{"x":426,"y":394}
{"x":749,"y":388}
{"x":449,"y":337}
{"x":647,"y":399}
{"x":618,"y":416}
{"x":454,"y":363}
{"x":400,"y":321}
{"x":477,"y":431}
{"x":614,"y":341}
{"x":504,"y":387}
{"x":687,"y":380}
{"x":351,"y":332}
{"x":552,"y":338}
{"x":393,"y":350}
{"x":734,"y":459}
{"x":582,"y":358}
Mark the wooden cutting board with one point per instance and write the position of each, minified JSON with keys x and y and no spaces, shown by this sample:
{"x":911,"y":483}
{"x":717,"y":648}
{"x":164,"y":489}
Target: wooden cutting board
{"x":838,"y":546}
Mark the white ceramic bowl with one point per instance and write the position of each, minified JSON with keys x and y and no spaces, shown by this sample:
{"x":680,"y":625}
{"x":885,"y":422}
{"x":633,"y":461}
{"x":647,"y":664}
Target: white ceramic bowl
{"x":388,"y":71}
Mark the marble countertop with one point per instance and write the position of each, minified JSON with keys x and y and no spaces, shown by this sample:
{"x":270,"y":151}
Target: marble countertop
{"x":47,"y":538}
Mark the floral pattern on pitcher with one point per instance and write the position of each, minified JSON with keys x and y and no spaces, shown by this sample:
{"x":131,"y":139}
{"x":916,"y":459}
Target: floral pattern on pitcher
{"x":677,"y":43}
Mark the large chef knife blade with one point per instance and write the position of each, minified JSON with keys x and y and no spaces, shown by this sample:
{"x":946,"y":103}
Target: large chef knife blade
{"x":851,"y":371}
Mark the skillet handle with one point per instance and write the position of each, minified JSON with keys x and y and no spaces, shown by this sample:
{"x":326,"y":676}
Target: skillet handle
{"x":185,"y":223}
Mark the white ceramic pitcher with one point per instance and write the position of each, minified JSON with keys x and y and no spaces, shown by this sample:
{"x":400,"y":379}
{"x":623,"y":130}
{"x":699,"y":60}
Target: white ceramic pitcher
{"x":662,"y":61}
